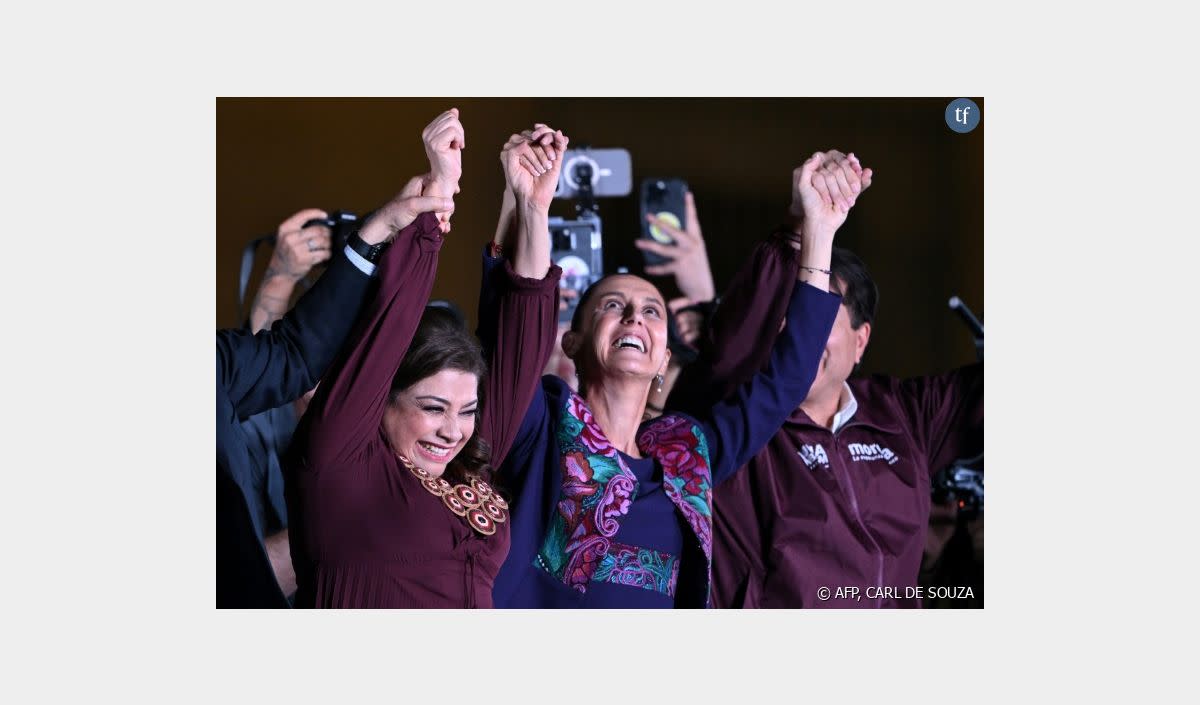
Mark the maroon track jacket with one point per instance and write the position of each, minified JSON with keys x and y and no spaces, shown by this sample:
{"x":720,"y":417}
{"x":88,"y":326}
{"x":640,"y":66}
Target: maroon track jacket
{"x":816,"y":511}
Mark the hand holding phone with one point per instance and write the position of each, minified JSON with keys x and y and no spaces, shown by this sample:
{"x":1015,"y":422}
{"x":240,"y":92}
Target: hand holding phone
{"x":685,"y":257}
{"x":663,"y":199}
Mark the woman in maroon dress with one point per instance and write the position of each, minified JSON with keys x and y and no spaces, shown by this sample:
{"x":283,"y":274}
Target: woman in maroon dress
{"x":388,"y":487}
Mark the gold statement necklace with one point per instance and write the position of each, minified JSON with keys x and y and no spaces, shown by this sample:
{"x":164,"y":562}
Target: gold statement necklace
{"x":478,"y":503}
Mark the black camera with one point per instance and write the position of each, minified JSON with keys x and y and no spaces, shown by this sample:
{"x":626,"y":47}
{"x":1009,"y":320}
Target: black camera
{"x":962,"y":483}
{"x":341,"y":224}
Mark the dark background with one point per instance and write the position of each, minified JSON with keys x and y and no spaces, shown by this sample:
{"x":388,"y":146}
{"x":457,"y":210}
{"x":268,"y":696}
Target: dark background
{"x":919,"y":228}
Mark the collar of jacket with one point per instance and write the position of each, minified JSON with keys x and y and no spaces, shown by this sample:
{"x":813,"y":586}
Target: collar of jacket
{"x":874,"y":409}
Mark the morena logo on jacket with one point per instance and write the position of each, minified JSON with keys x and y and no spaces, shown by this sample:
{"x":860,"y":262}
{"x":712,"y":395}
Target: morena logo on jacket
{"x":864,"y":452}
{"x":813,"y":454}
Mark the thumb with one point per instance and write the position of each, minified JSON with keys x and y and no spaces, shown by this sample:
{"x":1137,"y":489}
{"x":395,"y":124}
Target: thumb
{"x":414,"y":186}
{"x":423,"y":204}
{"x":810,"y":167}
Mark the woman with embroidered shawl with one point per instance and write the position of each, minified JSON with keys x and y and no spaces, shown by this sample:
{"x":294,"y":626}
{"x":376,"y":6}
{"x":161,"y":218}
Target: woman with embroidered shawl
{"x":609,"y":511}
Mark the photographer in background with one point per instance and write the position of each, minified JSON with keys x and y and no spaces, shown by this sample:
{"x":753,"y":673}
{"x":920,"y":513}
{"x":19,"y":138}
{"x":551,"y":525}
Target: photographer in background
{"x":257,"y":372}
{"x":297,"y":251}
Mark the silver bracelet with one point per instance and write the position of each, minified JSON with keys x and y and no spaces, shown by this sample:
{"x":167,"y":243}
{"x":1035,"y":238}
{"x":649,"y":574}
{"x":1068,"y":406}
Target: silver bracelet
{"x":816,"y":269}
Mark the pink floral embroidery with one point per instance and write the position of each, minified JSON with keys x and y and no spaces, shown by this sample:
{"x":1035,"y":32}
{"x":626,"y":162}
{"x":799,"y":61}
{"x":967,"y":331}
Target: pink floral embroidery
{"x":590,"y":511}
{"x":575,"y":467}
{"x":679,"y":446}
{"x":618,"y":497}
{"x":585,"y":556}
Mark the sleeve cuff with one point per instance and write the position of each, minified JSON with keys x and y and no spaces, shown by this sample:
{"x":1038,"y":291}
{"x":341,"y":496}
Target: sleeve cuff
{"x":780,"y":241}
{"x":428,"y":234}
{"x":357,"y":260}
{"x":519,"y":283}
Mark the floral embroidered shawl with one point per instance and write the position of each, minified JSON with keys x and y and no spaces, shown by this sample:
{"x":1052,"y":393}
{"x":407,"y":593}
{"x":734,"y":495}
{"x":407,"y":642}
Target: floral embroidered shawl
{"x":598,"y":489}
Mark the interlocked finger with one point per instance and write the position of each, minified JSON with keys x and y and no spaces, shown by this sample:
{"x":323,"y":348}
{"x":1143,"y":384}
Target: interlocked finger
{"x":529,"y":160}
{"x":540,"y":154}
{"x":848,"y":189}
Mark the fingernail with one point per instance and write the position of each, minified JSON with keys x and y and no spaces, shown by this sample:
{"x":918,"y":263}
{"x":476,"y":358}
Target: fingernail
{"x":548,"y":164}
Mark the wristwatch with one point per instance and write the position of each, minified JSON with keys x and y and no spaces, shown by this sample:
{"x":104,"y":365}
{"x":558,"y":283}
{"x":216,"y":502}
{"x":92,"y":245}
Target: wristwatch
{"x":370,"y":253}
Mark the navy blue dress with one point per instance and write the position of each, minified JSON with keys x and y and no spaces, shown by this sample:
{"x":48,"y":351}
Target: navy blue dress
{"x":657,"y":558}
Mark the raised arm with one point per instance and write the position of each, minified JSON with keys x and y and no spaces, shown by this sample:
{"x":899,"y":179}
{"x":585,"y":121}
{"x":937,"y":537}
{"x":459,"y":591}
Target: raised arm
{"x":945,"y":414}
{"x":348,"y":407}
{"x":506,"y":235}
{"x":519,"y":292}
{"x":532,"y":161}
{"x":755,"y":303}
{"x":444,"y":140}
{"x":824,"y":189}
{"x":263,"y":371}
{"x":743,"y":423}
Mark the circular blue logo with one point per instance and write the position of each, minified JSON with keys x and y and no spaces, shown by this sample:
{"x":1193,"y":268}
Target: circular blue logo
{"x":962,"y":115}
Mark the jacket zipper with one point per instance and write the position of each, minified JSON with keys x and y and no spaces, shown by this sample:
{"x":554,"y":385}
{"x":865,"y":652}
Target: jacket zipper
{"x":858,"y":517}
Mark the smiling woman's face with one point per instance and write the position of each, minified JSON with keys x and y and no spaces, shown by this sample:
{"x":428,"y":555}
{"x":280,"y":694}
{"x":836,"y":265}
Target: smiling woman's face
{"x":431,"y":421}
{"x":623,"y":330}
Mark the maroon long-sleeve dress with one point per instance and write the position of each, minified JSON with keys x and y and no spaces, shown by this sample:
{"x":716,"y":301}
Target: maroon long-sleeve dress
{"x":364,"y":531}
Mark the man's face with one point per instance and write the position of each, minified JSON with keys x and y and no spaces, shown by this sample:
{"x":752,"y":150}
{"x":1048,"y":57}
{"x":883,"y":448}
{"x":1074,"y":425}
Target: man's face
{"x":844,"y":348}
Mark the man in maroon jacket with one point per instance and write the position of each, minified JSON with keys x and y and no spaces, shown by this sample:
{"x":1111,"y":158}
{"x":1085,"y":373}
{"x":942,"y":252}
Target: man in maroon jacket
{"x":834,"y":511}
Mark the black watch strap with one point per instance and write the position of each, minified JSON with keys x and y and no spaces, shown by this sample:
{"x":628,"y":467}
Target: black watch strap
{"x":370,"y":253}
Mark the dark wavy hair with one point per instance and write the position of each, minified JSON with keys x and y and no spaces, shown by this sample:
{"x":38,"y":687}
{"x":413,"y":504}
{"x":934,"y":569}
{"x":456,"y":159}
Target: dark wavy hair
{"x":442,"y":342}
{"x":857,"y":288}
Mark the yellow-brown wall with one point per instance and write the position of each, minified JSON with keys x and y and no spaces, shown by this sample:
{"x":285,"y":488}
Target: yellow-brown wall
{"x":919,"y":228}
